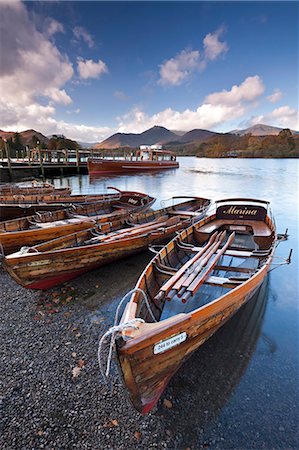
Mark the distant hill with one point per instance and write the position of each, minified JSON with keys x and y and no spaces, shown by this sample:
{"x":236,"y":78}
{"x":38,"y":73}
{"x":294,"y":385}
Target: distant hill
{"x":25,"y":136}
{"x":197,"y":136}
{"x":155,"y":135}
{"x":260,"y":130}
{"x":87,"y":144}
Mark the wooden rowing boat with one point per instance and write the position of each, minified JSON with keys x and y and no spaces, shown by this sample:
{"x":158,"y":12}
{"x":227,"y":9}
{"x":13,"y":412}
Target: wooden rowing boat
{"x":32,"y":230}
{"x":19,"y":207}
{"x":33,"y":188}
{"x":192,"y":286}
{"x":59,"y":260}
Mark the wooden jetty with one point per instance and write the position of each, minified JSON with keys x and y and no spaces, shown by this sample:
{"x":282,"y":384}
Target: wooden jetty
{"x":43,"y":162}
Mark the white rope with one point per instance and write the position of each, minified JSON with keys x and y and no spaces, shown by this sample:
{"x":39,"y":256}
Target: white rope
{"x":115,"y":329}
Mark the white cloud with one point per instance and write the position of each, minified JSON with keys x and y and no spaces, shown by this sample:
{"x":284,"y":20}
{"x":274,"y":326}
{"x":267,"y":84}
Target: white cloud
{"x":36,"y":65}
{"x":217,"y":108}
{"x":58,"y":96}
{"x":81,"y":33}
{"x":53,"y":27}
{"x":32,"y":68}
{"x":213,"y":47}
{"x":36,"y":69}
{"x":91,"y":69}
{"x":273,"y":98}
{"x":79,"y":132}
{"x":284,"y":117}
{"x":176,"y":70}
{"x":43,"y":118}
{"x":250,"y":89}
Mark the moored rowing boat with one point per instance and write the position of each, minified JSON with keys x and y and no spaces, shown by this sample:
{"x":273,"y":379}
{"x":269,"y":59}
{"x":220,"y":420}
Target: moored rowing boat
{"x":32,"y":230}
{"x":30,"y":205}
{"x":33,"y":188}
{"x":59,"y":260}
{"x":189,"y":289}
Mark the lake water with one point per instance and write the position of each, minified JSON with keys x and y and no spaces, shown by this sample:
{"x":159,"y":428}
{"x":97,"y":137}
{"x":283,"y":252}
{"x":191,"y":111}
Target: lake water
{"x":240,"y":389}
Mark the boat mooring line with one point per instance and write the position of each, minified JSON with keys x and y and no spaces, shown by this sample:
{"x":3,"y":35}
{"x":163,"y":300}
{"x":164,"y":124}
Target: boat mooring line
{"x":115,"y":329}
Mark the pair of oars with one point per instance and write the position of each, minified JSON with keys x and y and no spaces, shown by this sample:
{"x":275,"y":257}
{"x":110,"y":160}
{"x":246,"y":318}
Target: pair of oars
{"x":193,"y":273}
{"x":182,"y":272}
{"x":149,"y":227}
{"x":198,"y":280}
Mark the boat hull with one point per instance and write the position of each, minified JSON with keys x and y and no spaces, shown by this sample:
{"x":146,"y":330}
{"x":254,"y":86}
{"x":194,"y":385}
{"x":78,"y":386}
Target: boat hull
{"x":14,"y":235}
{"x":185,"y":315}
{"x":147,"y":374}
{"x":48,"y":269}
{"x":103,"y":166}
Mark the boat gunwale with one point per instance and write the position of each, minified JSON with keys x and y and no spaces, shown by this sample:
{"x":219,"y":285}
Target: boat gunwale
{"x":204,"y":310}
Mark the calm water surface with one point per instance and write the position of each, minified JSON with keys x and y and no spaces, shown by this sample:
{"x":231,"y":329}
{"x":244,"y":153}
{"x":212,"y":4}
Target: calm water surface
{"x":242,"y":384}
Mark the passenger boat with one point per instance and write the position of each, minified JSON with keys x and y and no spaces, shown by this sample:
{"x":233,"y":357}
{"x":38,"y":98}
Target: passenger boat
{"x":32,"y":230}
{"x":19,"y":207}
{"x":59,"y":260}
{"x":142,"y":160}
{"x":190,"y":289}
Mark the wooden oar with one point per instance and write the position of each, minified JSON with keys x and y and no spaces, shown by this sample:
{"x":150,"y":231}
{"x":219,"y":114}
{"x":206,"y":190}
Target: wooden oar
{"x":170,"y":283}
{"x":134,"y":231}
{"x":120,"y":233}
{"x":206,"y":257}
{"x":181,"y":285}
{"x":199,"y":280}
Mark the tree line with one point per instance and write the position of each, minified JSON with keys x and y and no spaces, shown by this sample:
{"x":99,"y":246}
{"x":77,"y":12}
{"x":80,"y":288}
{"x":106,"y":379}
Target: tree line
{"x":17,"y":147}
{"x":283,"y":145}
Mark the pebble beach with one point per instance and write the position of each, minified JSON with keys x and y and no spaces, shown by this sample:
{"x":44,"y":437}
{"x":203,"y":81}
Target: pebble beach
{"x":53,"y":397}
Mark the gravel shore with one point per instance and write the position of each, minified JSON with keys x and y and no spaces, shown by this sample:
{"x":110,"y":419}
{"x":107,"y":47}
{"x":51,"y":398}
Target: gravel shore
{"x":44,"y":337}
{"x":52,"y":395}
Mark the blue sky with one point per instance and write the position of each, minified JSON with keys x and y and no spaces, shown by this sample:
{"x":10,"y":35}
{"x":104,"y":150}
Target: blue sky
{"x":90,"y":69}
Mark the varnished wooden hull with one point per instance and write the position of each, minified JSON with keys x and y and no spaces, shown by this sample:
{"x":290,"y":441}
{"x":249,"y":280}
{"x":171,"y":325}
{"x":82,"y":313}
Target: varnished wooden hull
{"x":48,"y":269}
{"x":65,"y":258}
{"x":15,"y":209}
{"x":147,"y":375}
{"x":13,"y":237}
{"x":104,"y":166}
{"x":151,"y":355}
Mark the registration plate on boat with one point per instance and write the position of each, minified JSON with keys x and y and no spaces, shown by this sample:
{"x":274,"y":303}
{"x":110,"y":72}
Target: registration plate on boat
{"x":167,"y":344}
{"x":237,"y":228}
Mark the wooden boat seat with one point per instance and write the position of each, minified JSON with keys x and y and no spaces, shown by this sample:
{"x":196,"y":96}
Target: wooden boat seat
{"x":59,"y":223}
{"x":236,"y":253}
{"x":259,"y":228}
{"x":223,"y":281}
{"x":183,"y":213}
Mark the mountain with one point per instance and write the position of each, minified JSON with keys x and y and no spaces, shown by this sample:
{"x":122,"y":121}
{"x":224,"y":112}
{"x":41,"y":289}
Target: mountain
{"x":197,"y":136}
{"x":87,"y":144}
{"x":25,"y":136}
{"x":178,"y":132}
{"x":155,"y":135}
{"x":259,"y":130}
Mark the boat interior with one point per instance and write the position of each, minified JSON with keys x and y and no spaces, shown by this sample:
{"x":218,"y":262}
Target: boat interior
{"x":158,"y":224}
{"x":77,"y":213}
{"x":203,"y":263}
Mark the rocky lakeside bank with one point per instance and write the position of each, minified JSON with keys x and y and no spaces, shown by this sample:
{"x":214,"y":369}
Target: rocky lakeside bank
{"x":52,"y":395}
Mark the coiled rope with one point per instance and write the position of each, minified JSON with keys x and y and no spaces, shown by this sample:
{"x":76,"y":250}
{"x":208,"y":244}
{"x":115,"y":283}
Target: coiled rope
{"x":115,"y":329}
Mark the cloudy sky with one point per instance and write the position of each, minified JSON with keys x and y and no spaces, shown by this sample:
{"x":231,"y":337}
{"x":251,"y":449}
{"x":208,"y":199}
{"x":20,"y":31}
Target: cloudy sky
{"x":88,"y":70}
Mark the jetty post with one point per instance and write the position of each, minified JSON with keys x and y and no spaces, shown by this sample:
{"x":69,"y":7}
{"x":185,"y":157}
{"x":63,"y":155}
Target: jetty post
{"x":7,"y":151}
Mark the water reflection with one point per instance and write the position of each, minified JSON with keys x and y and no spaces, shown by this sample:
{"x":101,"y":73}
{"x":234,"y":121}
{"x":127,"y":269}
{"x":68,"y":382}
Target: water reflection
{"x":206,"y":381}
